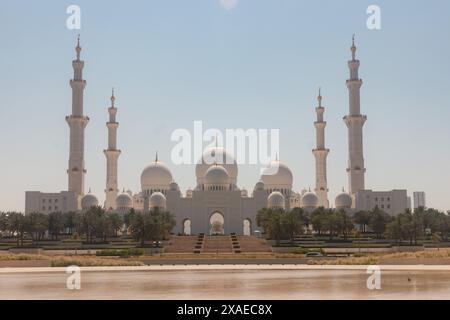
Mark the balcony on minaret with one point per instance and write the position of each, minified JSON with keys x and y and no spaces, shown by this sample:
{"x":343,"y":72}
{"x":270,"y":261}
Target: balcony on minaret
{"x":112,"y":114}
{"x":359,"y":119}
{"x":80,"y":121}
{"x":320,"y":124}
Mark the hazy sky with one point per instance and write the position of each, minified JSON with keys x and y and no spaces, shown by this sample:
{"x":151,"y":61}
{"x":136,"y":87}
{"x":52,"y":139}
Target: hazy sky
{"x":232,"y":64}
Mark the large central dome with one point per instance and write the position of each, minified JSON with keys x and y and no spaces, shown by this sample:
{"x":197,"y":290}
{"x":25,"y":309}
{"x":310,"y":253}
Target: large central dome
{"x":276,"y":175}
{"x":216,"y":156}
{"x":156,"y":176}
{"x":216,"y":176}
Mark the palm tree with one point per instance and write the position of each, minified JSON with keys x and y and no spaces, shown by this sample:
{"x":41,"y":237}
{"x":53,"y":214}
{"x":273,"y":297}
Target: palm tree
{"x":36,"y":224}
{"x":394,"y":230}
{"x":436,"y":237}
{"x":271,"y":221}
{"x":362,"y":218}
{"x":318,"y":218}
{"x":116,"y":222}
{"x":16,"y":226}
{"x":70,"y":221}
{"x":346,"y":223}
{"x":331,"y":222}
{"x":162,"y":222}
{"x":3,"y":221}
{"x":293,"y":223}
{"x":55,"y":224}
{"x":140,"y":227}
{"x":378,"y":221}
{"x":90,"y":223}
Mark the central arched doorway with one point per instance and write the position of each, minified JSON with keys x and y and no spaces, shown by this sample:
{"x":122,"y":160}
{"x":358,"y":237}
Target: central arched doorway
{"x":187,"y":227}
{"x":247,"y":225}
{"x":217,"y":224}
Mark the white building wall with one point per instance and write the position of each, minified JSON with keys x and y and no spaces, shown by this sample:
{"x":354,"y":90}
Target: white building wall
{"x":64,"y":201}
{"x":392,"y":202}
{"x":419,"y":199}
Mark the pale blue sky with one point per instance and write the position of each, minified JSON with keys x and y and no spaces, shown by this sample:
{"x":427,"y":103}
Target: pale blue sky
{"x":256,"y":66}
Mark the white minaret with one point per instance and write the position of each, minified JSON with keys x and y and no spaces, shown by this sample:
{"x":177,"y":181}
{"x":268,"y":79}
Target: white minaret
{"x":355,"y":122}
{"x":112,"y":155}
{"x":77,"y":123}
{"x":321,"y":154}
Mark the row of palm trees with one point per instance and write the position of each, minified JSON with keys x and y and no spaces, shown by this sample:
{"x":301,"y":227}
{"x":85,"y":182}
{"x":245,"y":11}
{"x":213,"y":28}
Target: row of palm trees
{"x":408,"y":226}
{"x":93,"y":225}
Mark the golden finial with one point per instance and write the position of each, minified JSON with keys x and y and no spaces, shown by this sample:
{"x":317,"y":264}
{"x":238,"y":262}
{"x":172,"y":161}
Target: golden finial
{"x":78,"y":48}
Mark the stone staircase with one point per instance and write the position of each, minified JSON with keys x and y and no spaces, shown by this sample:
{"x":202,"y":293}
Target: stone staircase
{"x":250,"y":244}
{"x":217,"y":245}
{"x":223,"y":244}
{"x":181,"y":244}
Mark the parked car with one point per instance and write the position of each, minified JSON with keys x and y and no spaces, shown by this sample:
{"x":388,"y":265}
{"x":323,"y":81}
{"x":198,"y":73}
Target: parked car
{"x":314,"y":254}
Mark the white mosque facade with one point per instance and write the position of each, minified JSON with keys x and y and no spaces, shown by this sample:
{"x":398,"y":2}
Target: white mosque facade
{"x":216,"y":204}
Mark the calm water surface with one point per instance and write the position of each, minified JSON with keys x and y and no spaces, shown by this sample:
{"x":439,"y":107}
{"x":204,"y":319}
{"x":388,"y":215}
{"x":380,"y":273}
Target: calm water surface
{"x":227,"y":284}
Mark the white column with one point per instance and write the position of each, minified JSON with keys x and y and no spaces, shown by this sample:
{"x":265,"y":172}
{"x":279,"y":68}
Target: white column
{"x":77,"y":123}
{"x":321,"y":154}
{"x":355,"y":122}
{"x":112,"y":156}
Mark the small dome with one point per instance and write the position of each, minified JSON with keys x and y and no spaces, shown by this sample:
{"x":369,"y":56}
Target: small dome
{"x":343,"y":201}
{"x":216,"y":175}
{"x":310,"y":200}
{"x":157,"y":200}
{"x":89,"y":201}
{"x":277,"y":174}
{"x":174,"y":187}
{"x":276,"y":200}
{"x":124,"y":200}
{"x":259,"y":186}
{"x":244,"y":193}
{"x":156,"y":176}
{"x":189,"y":193}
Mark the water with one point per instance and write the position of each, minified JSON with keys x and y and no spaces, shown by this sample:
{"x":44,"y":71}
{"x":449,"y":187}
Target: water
{"x":227,"y":284}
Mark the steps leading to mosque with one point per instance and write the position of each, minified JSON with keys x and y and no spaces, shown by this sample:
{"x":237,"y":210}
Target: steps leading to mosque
{"x":250,"y":244}
{"x":225,"y":244}
{"x":181,"y":244}
{"x":217,"y":244}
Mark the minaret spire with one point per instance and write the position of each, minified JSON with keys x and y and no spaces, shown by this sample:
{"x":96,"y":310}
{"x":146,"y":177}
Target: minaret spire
{"x":355,"y":122}
{"x":77,"y":123}
{"x":78,"y":48}
{"x":112,"y":155}
{"x":113,"y":98}
{"x":353,"y":48}
{"x":321,"y":153}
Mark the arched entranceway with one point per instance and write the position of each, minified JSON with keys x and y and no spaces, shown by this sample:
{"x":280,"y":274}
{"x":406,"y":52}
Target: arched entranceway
{"x":247,"y":225}
{"x":216,"y":221}
{"x":187,"y":227}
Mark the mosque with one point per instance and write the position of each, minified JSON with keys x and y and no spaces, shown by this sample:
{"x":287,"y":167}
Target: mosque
{"x":217,"y":204}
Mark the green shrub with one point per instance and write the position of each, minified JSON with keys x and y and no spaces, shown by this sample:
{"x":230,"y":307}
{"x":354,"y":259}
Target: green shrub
{"x":120,"y":252}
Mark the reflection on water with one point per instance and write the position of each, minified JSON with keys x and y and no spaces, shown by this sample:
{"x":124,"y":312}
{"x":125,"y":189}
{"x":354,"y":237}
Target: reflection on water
{"x":228,"y":284}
